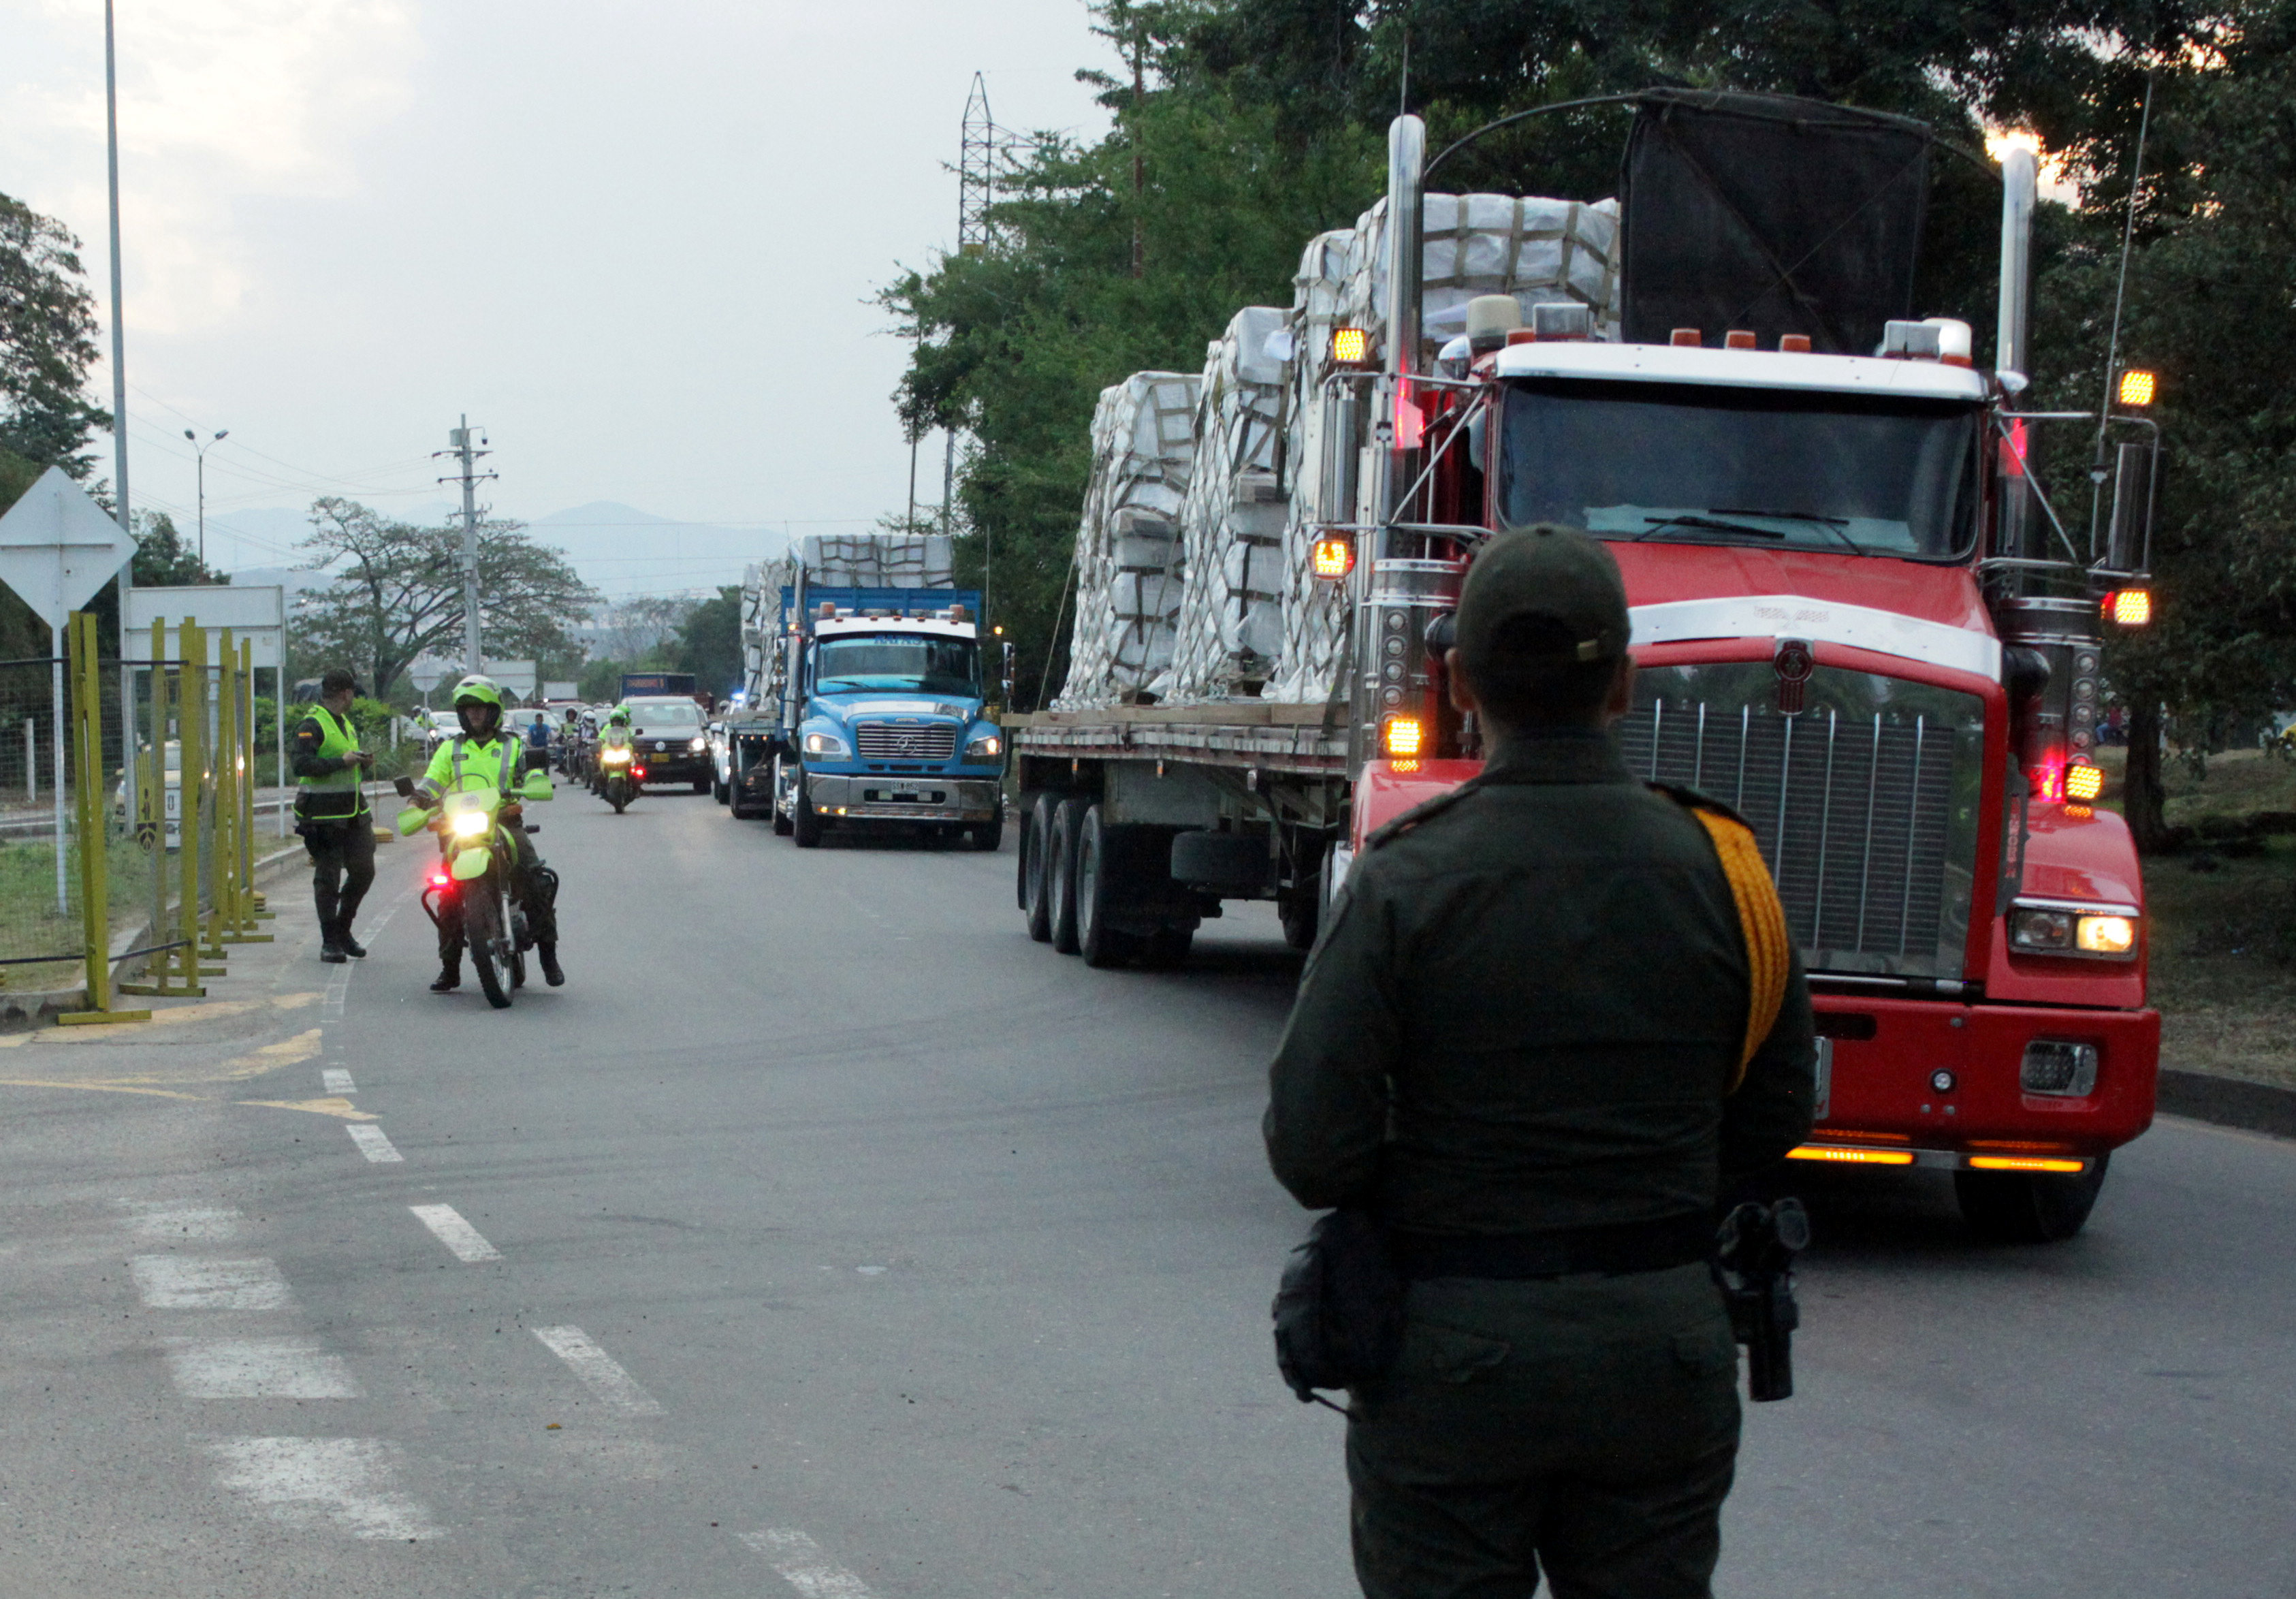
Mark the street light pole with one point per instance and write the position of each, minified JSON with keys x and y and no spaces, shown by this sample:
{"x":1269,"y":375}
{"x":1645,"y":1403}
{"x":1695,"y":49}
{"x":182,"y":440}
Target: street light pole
{"x":201,"y":450}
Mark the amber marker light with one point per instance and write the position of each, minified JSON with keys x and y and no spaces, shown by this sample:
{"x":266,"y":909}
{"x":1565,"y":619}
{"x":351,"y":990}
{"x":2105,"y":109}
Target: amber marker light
{"x":2084,"y":782}
{"x":2024,"y":1163}
{"x":1851,"y":1157}
{"x":2136,"y":388}
{"x":1334,"y":558}
{"x":2129,"y":607}
{"x":1401,"y":737}
{"x":1350,"y":346}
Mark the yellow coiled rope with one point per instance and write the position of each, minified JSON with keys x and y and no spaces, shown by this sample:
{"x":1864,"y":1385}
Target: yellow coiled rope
{"x":1763,"y":921}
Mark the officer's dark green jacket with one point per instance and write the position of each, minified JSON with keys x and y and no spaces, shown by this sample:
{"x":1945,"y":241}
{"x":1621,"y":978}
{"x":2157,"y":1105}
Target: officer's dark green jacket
{"x":1527,"y":1010}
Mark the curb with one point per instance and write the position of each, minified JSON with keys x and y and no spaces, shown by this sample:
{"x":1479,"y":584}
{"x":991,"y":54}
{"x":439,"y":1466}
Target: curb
{"x":2229,"y":1101}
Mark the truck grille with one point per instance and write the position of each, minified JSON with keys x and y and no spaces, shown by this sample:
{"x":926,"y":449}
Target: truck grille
{"x":889,"y":741}
{"x":1865,"y":804}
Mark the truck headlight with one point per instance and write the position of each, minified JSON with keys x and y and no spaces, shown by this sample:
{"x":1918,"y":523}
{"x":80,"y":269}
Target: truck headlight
{"x":2059,"y":1069}
{"x":2101,"y":934}
{"x":825,"y":744}
{"x":989,"y":746}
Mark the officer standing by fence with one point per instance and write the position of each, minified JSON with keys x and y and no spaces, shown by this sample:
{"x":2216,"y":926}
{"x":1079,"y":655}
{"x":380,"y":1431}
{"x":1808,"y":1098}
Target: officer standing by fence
{"x":331,"y":813}
{"x":1537,"y":1039}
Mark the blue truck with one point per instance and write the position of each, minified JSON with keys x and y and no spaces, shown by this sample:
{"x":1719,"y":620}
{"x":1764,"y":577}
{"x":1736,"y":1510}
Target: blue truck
{"x":877,"y":701}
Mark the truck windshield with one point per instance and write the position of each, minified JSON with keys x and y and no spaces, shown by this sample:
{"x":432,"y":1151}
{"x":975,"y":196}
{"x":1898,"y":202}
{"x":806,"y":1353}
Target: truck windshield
{"x":917,"y":663}
{"x":1682,"y":464}
{"x":683,"y":713}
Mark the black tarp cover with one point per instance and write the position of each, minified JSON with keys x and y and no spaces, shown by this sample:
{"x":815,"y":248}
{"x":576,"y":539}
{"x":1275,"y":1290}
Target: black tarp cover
{"x":1772,"y":213}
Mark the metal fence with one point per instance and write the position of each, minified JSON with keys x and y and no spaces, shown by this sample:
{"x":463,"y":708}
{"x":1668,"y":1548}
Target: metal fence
{"x":135,"y":842}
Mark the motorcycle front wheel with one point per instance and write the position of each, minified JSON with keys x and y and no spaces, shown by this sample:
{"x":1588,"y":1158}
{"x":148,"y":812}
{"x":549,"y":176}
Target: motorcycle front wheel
{"x":483,"y":929}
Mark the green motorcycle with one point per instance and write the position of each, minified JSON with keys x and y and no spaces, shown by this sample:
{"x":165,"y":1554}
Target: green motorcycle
{"x":473,"y":876}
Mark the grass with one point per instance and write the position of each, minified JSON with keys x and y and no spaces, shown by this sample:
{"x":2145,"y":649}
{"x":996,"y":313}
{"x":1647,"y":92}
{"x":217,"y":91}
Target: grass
{"x":2223,"y":917}
{"x":29,"y":924}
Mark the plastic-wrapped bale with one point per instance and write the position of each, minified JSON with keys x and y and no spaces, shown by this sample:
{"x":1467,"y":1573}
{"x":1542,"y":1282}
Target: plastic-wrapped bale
{"x":1314,"y":613}
{"x":1231,"y":624}
{"x":1127,"y":555}
{"x":1469,"y":244}
{"x":877,"y":559}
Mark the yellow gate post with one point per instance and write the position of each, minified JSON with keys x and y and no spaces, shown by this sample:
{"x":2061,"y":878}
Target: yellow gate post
{"x":225,"y":867}
{"x":175,"y":973}
{"x":253,"y":905}
{"x":94,"y":842}
{"x":197,"y":779}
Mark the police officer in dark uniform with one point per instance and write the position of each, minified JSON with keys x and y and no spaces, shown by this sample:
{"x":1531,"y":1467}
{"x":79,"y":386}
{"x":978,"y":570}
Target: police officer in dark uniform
{"x":332,"y":813}
{"x":1523,"y":1044}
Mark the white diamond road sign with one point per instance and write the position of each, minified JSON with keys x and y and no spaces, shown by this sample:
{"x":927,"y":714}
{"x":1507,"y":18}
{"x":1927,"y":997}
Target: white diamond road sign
{"x":57,"y":547}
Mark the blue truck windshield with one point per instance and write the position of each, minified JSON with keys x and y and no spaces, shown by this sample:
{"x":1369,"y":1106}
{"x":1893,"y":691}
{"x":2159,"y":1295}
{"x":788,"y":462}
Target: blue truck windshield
{"x":1682,"y":464}
{"x":910,"y":662}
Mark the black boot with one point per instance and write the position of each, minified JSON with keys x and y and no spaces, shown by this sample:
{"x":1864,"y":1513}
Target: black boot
{"x":450,"y":973}
{"x":344,"y":941}
{"x":552,"y":973}
{"x":330,"y":951}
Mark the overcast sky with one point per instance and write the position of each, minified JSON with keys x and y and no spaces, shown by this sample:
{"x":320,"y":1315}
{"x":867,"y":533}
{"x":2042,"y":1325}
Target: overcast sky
{"x":635,"y":241}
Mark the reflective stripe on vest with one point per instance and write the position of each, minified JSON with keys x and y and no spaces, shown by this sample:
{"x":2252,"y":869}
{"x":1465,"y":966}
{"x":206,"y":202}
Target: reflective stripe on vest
{"x":509,"y":753}
{"x":324,"y":798}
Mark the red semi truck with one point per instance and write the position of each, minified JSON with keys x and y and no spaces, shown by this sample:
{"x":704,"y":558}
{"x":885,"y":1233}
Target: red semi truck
{"x":1859,"y":619}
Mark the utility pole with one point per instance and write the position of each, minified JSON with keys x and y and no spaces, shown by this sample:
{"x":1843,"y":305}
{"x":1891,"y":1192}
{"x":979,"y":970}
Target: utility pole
{"x":460,"y":447}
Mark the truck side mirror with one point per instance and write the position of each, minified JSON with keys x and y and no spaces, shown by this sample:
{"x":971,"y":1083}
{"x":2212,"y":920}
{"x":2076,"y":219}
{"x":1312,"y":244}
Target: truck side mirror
{"x":2130,"y":538}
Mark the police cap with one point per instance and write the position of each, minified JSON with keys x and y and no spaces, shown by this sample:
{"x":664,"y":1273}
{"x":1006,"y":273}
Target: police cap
{"x":1558,"y":574}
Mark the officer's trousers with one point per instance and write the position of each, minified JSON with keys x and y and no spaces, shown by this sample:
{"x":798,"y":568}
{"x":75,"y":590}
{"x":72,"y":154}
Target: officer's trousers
{"x":531,"y":884}
{"x":342,"y":869}
{"x":1585,"y":1425}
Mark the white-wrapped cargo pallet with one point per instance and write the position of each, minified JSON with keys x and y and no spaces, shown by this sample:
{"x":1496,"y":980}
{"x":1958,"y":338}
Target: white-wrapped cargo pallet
{"x":1534,"y":248}
{"x":1231,"y":624}
{"x":1127,"y":565}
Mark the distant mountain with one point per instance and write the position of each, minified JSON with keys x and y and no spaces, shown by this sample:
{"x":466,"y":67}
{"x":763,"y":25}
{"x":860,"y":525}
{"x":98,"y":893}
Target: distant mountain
{"x":620,"y":550}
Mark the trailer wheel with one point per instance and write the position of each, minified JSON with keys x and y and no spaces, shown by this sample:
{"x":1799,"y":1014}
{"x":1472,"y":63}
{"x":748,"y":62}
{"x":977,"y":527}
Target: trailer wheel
{"x":1035,"y":867}
{"x":723,"y":793}
{"x":1060,"y":873}
{"x":776,"y":805}
{"x":1100,"y":884}
{"x":2027,"y":1207}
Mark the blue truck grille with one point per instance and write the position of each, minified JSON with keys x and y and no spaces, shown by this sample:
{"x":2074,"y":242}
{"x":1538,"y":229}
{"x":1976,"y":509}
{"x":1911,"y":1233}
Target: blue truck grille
{"x":889,"y":741}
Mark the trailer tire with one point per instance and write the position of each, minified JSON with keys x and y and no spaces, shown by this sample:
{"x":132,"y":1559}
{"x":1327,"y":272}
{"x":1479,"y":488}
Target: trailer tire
{"x":1100,"y":878}
{"x":1036,"y":870}
{"x":782,"y":823}
{"x":1060,"y":871}
{"x":1301,"y":909}
{"x":804,"y":826}
{"x":2027,"y":1207}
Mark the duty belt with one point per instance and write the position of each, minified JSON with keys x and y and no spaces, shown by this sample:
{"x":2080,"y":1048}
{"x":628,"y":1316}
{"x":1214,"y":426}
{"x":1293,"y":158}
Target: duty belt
{"x":1615,"y":1249}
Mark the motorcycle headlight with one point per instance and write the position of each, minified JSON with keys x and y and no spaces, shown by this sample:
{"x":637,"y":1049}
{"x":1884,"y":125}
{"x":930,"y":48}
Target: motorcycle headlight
{"x":989,"y":746}
{"x":825,"y":744}
{"x":471,"y":824}
{"x":614,"y":757}
{"x":697,"y":745}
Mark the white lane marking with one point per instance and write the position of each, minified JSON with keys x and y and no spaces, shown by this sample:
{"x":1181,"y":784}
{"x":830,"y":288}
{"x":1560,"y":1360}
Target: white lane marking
{"x":165,"y":1220}
{"x":803,"y":1565}
{"x":454,"y":1232}
{"x":371,"y":1142}
{"x":595,"y":1368}
{"x":190,"y":1282}
{"x":346,"y":1484}
{"x":257,"y":1368}
{"x":337,"y":989}
{"x":336,"y":1081}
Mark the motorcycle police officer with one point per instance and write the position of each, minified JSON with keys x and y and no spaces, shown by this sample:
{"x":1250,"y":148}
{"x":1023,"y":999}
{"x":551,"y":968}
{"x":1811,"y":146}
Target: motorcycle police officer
{"x":332,"y":813}
{"x":1532,"y":1044}
{"x":484,"y":753}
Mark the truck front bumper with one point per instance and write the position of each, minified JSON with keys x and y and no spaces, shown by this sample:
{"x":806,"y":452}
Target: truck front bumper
{"x":924,"y":798}
{"x":1943,"y":1080}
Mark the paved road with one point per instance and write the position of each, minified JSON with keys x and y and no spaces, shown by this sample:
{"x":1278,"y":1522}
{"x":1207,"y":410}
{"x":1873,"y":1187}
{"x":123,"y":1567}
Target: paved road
{"x":826,"y":1236}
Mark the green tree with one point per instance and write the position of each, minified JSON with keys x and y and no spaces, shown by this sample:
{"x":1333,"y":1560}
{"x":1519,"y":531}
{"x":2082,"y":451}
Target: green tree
{"x":47,"y":342}
{"x":396,"y":594}
{"x":165,"y":558}
{"x":709,"y":642}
